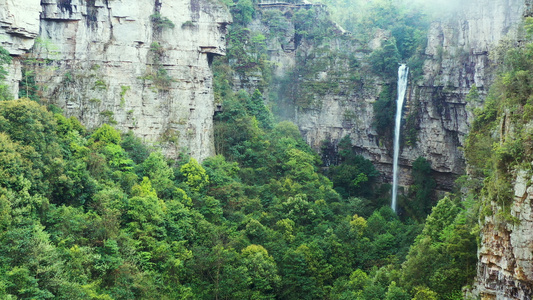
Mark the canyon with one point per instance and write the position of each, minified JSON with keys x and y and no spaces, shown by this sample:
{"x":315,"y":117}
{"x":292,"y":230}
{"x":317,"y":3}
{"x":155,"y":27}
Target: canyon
{"x":146,"y":67}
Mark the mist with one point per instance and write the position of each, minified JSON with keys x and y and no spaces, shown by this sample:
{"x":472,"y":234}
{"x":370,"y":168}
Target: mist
{"x":431,"y":7}
{"x":434,"y":7}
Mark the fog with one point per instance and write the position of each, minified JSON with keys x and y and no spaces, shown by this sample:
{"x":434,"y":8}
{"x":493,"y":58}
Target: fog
{"x":430,"y":6}
{"x":433,"y":7}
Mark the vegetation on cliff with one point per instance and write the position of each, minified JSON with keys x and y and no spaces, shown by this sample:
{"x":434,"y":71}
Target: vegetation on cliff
{"x":99,"y":215}
{"x":5,"y":59}
{"x":500,"y":141}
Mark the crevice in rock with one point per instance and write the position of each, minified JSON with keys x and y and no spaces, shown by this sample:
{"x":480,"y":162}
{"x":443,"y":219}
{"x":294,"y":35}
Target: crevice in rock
{"x":195,"y":10}
{"x":65,"y":5}
{"x":92,"y":14}
{"x":210,"y":57}
{"x":156,"y":31}
{"x":110,"y":21}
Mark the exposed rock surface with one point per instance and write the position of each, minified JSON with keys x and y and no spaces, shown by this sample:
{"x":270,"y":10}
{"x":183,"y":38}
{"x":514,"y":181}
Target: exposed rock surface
{"x":19,"y":26}
{"x":457,"y":57}
{"x":142,"y":64}
{"x":505,"y":270}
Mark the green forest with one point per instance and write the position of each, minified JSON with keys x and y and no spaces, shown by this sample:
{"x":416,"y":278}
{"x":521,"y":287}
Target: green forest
{"x":98,"y":214}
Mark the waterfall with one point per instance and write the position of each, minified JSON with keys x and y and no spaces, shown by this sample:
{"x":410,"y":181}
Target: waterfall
{"x":402,"y":87}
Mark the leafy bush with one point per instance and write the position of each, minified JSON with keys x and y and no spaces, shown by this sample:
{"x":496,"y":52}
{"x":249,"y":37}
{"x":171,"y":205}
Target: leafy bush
{"x":161,"y":22}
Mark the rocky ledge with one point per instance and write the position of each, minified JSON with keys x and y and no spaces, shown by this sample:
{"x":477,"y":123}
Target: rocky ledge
{"x":141,"y":65}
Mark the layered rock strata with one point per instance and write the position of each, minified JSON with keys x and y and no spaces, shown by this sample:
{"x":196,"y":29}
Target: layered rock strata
{"x":505,"y":269}
{"x":341,"y":99}
{"x":142,"y":65}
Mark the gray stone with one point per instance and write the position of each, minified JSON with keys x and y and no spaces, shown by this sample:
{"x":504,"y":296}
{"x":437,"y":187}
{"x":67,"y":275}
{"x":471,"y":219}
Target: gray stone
{"x":99,"y":63}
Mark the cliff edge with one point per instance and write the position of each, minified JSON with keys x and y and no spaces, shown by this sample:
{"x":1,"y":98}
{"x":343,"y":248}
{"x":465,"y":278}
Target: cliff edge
{"x":143,"y":66}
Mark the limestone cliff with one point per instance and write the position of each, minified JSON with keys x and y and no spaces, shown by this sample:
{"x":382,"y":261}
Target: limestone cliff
{"x":457,"y":58}
{"x":142,"y":65}
{"x":505,"y":269}
{"x":332,"y":90}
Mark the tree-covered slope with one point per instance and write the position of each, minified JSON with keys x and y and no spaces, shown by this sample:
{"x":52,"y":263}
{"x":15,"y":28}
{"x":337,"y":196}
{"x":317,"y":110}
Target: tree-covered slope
{"x":98,"y":215}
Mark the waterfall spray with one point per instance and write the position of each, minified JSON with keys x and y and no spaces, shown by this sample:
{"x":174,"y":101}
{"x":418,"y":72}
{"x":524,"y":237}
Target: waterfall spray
{"x":402,"y":87}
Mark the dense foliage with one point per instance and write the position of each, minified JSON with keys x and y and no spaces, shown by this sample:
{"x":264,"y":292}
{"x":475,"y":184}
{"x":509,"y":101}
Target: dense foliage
{"x":99,"y":215}
{"x":419,"y":201}
{"x":5,"y":60}
{"x":407,"y":22}
{"x":500,"y":142}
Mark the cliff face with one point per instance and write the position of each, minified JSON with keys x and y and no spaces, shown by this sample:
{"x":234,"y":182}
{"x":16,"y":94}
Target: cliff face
{"x":112,"y":61}
{"x":333,"y":89}
{"x":505,"y":270}
{"x":19,"y":26}
{"x":457,"y":57}
{"x":142,"y":65}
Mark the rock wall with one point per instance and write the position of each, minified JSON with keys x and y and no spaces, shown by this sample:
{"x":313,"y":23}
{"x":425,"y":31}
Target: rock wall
{"x":505,"y":269}
{"x":19,"y":26}
{"x":109,"y":61}
{"x":325,"y":87}
{"x":456,"y":58}
{"x":142,"y":65}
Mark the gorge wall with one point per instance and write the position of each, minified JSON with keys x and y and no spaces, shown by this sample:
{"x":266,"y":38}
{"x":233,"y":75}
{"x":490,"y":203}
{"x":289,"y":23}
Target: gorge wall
{"x":505,"y":254}
{"x":145,"y":66}
{"x":142,"y":65}
{"x":111,"y":61}
{"x":457,"y":58}
{"x":327,"y":88}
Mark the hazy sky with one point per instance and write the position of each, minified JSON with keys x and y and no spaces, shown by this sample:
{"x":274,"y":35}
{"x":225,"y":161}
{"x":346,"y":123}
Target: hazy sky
{"x":431,"y":5}
{"x":437,"y":5}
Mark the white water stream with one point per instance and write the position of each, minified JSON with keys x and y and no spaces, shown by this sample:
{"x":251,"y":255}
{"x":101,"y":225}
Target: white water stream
{"x":402,"y":87}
